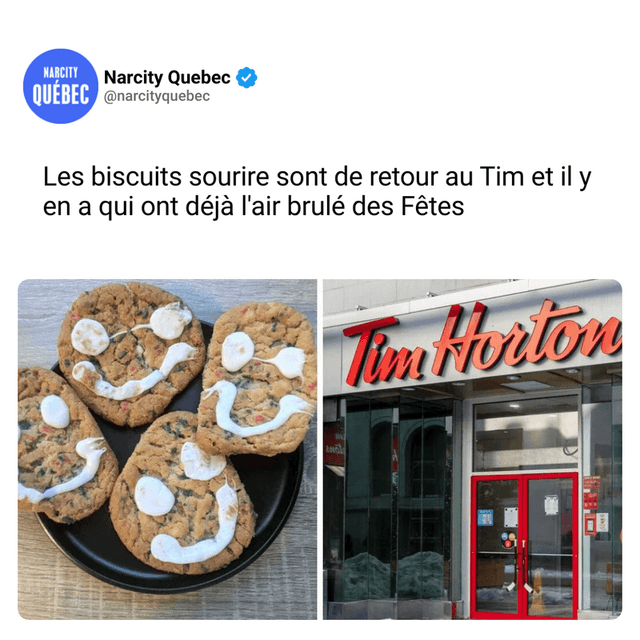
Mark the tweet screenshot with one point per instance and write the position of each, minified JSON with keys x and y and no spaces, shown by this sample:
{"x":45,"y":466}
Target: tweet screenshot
{"x":319,"y":311}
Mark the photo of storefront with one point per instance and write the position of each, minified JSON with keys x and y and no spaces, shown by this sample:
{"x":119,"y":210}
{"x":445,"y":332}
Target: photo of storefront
{"x":473,"y":452}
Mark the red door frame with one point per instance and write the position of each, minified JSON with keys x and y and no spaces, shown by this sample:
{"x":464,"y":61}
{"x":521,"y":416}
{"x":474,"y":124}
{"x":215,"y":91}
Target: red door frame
{"x":523,"y":521}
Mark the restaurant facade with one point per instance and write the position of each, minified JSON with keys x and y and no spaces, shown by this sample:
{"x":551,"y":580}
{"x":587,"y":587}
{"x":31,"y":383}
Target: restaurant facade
{"x":472,"y":450}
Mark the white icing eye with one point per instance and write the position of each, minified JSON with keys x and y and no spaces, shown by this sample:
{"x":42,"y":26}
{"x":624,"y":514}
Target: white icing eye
{"x":55,"y":412}
{"x":153,"y":497}
{"x":199,"y":465}
{"x":289,"y":362}
{"x":237,"y":350}
{"x":89,"y":337}
{"x":168,"y":322}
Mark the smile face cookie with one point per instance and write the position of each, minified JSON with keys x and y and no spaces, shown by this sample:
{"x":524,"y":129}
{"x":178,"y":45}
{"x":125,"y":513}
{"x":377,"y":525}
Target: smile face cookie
{"x":176,"y":508}
{"x":259,"y":381}
{"x":66,"y":469}
{"x":127,"y":350}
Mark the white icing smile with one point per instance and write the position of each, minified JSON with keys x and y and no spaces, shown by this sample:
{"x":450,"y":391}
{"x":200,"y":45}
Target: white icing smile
{"x":91,"y":338}
{"x":227,"y":391}
{"x":199,"y":465}
{"x":87,"y":449}
{"x":167,"y":549}
{"x":179,"y":352}
{"x":238,"y":349}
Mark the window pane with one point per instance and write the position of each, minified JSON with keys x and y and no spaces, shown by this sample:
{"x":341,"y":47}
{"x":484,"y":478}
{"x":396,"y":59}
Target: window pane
{"x":497,"y":513}
{"x":550,"y":548}
{"x":526,"y":435}
{"x":355,"y":578}
{"x":367,"y":543}
{"x":397,"y":499}
{"x":424,"y":509}
{"x":379,"y":531}
{"x":602,"y":477}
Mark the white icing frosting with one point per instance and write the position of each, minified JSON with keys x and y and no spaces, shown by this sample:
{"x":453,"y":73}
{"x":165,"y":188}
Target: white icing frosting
{"x":55,"y":412}
{"x":199,"y":465}
{"x":237,"y":350}
{"x":87,"y":449}
{"x":167,"y":549}
{"x":89,"y":337}
{"x":176,"y":353}
{"x":168,"y":322}
{"x":153,"y":497}
{"x":289,"y":362}
{"x":227,"y":391}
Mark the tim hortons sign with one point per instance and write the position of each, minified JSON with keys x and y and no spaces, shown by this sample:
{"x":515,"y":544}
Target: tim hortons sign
{"x":553,"y":336}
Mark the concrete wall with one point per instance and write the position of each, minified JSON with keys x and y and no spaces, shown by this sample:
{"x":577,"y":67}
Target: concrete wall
{"x":346,"y":295}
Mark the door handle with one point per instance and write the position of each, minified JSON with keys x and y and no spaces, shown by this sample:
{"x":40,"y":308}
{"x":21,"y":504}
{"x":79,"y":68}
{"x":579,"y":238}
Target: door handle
{"x":525,"y":568}
{"x":514,"y":582}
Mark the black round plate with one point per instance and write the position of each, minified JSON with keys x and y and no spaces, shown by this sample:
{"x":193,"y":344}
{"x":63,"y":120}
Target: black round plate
{"x":272,"y":484}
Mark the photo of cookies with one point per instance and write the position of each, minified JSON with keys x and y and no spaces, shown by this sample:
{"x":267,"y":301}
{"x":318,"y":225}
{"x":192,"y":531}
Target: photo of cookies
{"x":177,"y":518}
{"x":128,"y":349}
{"x":66,"y":468}
{"x":260,"y":381}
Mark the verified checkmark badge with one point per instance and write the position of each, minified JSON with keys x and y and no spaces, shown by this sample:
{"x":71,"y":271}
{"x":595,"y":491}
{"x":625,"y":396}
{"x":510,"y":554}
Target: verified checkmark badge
{"x":246,"y":77}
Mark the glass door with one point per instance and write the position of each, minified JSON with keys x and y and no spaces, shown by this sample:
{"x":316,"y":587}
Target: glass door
{"x":524,"y":552}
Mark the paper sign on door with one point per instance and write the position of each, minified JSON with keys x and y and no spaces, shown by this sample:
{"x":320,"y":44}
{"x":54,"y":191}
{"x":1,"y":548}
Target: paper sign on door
{"x":602,"y":522}
{"x":510,"y":517}
{"x":551,"y":505}
{"x":590,"y":500}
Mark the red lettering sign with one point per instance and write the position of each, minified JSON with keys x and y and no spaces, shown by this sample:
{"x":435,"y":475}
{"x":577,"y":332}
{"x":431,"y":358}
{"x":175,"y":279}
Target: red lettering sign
{"x":334,"y":445}
{"x":483,"y":349}
{"x":398,"y":363}
{"x":591,"y":482}
{"x":590,"y":500}
{"x":487,"y":349}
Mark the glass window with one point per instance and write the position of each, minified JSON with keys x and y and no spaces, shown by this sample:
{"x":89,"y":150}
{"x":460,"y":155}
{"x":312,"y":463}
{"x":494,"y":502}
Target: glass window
{"x":424,"y":513}
{"x":397,"y":502}
{"x":526,"y":434}
{"x":602,"y":479}
{"x":355,"y":577}
{"x":495,"y":567}
{"x":333,"y":507}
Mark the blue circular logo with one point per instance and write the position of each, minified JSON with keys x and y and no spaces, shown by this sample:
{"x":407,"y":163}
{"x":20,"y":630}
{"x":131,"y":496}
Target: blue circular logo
{"x":60,"y":86}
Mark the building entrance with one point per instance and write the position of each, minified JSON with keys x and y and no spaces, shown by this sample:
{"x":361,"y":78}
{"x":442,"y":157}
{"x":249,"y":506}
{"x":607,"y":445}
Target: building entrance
{"x":524,"y":546}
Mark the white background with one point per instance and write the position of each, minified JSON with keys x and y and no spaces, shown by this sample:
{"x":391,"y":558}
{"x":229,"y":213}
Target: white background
{"x":373,"y":85}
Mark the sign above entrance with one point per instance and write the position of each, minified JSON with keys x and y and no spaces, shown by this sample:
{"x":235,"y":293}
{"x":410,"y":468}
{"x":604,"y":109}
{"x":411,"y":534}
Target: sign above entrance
{"x":555,"y":334}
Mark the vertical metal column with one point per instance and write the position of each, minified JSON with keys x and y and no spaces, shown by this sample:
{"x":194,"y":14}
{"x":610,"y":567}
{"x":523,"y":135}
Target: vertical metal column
{"x":342,"y":419}
{"x":395,"y":431}
{"x":455,"y":563}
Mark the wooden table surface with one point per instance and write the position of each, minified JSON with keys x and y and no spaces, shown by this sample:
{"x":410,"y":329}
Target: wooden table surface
{"x":280,"y":584}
